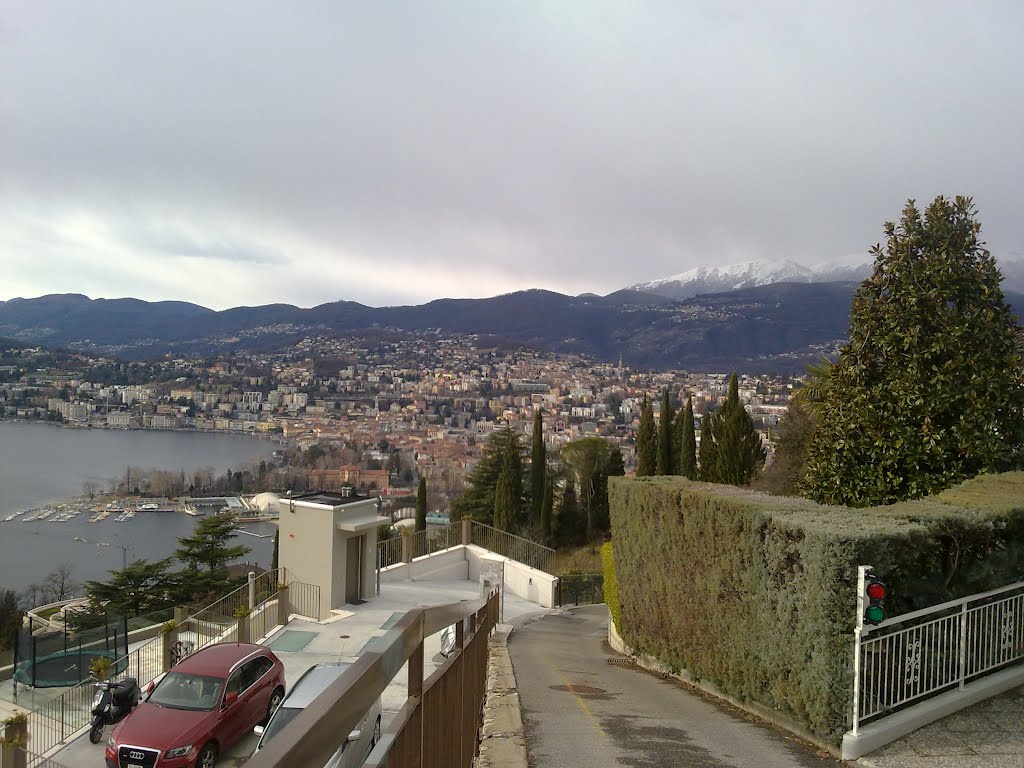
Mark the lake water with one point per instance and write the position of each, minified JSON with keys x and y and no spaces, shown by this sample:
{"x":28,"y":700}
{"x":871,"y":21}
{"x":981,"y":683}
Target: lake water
{"x":43,"y":464}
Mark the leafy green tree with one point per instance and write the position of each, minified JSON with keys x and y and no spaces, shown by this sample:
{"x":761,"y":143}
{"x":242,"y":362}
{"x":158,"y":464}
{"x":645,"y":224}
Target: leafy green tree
{"x":686,"y":442}
{"x":421,"y":505}
{"x":138,"y":589}
{"x":538,"y":467}
{"x":10,"y":618}
{"x":789,"y":464}
{"x":569,"y":525}
{"x":207,"y":553}
{"x":505,"y":497}
{"x":646,"y":442}
{"x":929,"y":389}
{"x":665,"y":462}
{"x":590,"y":461}
{"x":478,"y":500}
{"x":730,"y":447}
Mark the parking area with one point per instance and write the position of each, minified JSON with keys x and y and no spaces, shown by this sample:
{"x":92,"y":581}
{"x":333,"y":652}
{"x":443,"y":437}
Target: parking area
{"x":344,"y":637}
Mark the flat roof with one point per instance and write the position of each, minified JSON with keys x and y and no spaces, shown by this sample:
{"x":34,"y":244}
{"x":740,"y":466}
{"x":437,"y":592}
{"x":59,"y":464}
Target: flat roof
{"x":329,"y":499}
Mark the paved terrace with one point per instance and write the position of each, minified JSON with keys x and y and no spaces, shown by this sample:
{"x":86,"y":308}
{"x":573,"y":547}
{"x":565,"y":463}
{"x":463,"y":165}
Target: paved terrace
{"x":345,"y":637}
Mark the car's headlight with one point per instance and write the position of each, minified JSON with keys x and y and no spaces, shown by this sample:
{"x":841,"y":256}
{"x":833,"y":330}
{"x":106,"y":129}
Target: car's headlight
{"x":179,"y":751}
{"x":110,"y":742}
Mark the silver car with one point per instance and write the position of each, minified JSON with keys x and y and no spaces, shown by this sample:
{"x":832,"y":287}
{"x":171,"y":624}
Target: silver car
{"x":313,"y":682}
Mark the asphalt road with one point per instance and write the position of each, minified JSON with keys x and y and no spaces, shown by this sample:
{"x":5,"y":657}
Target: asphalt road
{"x":624,"y":716}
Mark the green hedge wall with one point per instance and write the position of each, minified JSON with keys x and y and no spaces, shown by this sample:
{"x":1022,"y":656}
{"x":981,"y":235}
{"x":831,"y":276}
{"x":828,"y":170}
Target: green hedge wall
{"x":757,"y":594}
{"x":611,"y":585}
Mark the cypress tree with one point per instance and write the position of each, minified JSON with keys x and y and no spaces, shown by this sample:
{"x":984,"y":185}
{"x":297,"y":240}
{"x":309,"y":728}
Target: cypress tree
{"x":538,"y":467}
{"x":421,"y":505}
{"x":665,"y":463}
{"x":686,"y":442}
{"x":547,"y":508}
{"x":929,"y":389}
{"x":646,"y":442}
{"x":730,"y":448}
{"x":505,"y":497}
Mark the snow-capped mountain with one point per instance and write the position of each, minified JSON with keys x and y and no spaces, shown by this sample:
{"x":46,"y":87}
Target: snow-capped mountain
{"x":749,"y":274}
{"x":753,"y":273}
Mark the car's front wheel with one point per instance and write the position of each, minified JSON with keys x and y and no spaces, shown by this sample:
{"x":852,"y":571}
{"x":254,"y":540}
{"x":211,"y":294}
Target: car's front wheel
{"x":207,"y":757}
{"x":275,"y":701}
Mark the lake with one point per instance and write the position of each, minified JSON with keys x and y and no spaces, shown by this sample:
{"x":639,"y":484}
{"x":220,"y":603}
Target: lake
{"x":44,"y":464}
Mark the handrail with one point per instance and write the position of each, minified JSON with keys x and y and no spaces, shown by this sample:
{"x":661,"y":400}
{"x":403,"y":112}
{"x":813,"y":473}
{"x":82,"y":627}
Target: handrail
{"x":317,"y":733}
{"x":518,"y":539}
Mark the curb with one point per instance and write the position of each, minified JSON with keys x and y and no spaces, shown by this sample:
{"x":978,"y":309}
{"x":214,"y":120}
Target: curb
{"x":502,"y":742}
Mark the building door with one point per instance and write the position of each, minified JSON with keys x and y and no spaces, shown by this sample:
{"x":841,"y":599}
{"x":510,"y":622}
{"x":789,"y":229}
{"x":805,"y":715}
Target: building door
{"x":353,"y":569}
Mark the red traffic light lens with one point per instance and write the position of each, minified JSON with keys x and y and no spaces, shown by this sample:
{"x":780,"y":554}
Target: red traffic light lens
{"x":876,"y":590}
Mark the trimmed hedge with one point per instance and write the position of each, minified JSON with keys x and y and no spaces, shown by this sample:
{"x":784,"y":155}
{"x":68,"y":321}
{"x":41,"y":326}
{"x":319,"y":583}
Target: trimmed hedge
{"x":611,"y":586}
{"x":757,"y":594}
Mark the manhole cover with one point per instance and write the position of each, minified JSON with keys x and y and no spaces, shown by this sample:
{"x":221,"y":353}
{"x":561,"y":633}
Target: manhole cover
{"x":584,"y":689}
{"x":621,"y":661}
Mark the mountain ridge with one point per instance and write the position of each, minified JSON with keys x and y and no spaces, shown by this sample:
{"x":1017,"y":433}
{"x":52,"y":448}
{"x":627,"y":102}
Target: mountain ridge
{"x":778,"y":326}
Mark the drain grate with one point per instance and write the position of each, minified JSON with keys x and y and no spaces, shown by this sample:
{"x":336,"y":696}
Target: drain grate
{"x":581,"y":689}
{"x":621,"y":661}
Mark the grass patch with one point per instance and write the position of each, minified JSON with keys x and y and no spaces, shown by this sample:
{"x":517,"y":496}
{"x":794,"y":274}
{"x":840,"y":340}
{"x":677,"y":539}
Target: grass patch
{"x":585,"y":559}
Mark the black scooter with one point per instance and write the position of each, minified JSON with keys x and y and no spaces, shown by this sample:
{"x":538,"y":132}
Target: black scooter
{"x":113,"y":703}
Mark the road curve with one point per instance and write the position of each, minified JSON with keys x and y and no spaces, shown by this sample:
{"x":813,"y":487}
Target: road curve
{"x":581,"y":708}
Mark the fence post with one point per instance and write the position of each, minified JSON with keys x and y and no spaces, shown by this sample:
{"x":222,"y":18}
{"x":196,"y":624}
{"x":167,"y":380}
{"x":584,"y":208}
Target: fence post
{"x":15,"y":731}
{"x":466,"y":523}
{"x":282,"y":605}
{"x":243,"y":628}
{"x":962,"y":652}
{"x":170,"y":637}
{"x":252,"y":590}
{"x":406,"y":549}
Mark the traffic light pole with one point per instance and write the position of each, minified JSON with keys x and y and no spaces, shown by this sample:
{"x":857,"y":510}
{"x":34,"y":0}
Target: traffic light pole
{"x":858,"y":634}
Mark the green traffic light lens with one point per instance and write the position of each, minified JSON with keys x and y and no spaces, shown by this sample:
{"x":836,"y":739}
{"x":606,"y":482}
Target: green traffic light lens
{"x":875,"y":614}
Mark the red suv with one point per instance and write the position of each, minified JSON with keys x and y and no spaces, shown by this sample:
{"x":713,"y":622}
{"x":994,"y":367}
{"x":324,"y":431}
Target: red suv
{"x":206,"y":703}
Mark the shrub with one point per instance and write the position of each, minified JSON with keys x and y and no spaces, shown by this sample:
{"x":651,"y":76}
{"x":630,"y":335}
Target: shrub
{"x":756,"y":593}
{"x":100,"y":667}
{"x":611,"y":586}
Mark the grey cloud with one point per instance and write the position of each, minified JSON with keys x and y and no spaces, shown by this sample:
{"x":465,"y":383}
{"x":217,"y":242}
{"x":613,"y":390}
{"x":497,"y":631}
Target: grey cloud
{"x":584,"y":144}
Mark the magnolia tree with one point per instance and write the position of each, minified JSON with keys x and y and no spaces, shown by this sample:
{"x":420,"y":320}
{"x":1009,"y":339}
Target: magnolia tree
{"x":929,"y":389}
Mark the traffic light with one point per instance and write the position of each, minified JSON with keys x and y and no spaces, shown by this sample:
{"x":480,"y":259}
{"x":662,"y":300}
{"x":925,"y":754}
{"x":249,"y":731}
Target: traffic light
{"x":872,"y":592}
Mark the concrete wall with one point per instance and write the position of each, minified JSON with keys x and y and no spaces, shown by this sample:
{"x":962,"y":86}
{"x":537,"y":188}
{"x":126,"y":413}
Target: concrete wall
{"x":463,"y":562}
{"x":306,"y":547}
{"x":446,"y":564}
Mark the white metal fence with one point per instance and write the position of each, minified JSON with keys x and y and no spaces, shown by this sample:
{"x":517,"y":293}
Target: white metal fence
{"x":921,"y":654}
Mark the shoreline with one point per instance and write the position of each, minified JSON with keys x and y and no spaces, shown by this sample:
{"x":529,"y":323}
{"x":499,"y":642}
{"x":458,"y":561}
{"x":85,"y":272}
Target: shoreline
{"x":274,"y":438}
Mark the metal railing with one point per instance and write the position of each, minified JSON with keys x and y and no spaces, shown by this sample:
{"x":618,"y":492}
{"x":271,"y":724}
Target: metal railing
{"x":389,"y":552}
{"x":513,"y":547}
{"x":441,"y":537}
{"x":917,"y":655}
{"x":580,"y":589}
{"x":304,"y":600}
{"x":437,"y":727}
{"x":58,"y":719}
{"x":218,"y":622}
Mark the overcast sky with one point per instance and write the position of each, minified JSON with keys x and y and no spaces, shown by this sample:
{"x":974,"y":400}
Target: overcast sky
{"x":231,"y":153}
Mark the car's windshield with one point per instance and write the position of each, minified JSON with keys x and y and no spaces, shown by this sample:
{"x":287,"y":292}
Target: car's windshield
{"x":284,"y":716}
{"x":181,"y":691}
